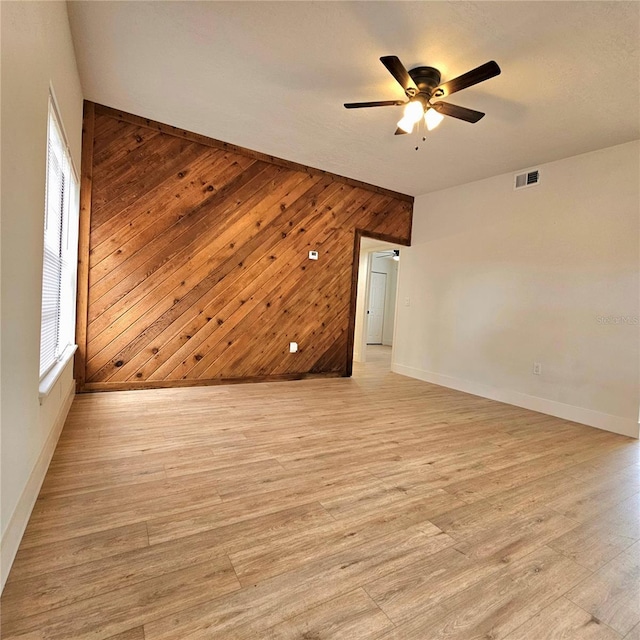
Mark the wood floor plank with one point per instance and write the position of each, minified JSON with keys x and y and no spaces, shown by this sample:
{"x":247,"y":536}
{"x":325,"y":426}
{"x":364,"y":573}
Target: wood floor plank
{"x":287,"y":595}
{"x":586,"y":502}
{"x":203,"y":518}
{"x":257,"y":563}
{"x":563,"y":620}
{"x":87,"y":554}
{"x":634,"y":634}
{"x":507,"y":478}
{"x":353,"y":616}
{"x":612,"y":594}
{"x":516,"y":538}
{"x":615,"y":456}
{"x":95,"y":476}
{"x":42,"y":593}
{"x":132,"y":634}
{"x":518,"y":593}
{"x":602,"y":538}
{"x":59,"y":517}
{"x":380,"y":499}
{"x":104,"y":615}
{"x":41,"y":559}
{"x":478,"y":518}
{"x":407,"y":593}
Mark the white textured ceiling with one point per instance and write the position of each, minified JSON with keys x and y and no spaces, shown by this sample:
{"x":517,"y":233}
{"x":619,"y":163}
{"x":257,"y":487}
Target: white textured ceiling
{"x":272,"y":76}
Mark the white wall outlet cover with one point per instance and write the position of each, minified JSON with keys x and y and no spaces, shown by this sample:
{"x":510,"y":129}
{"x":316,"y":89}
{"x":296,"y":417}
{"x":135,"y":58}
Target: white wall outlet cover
{"x":313,"y":255}
{"x":293,"y":347}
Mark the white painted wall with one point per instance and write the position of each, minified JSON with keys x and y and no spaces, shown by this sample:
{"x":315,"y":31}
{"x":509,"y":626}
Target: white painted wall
{"x":499,"y":278}
{"x":389,"y":266}
{"x":36,"y":52}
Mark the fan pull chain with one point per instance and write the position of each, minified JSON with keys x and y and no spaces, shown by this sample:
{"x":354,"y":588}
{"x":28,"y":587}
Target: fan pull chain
{"x":424,"y":138}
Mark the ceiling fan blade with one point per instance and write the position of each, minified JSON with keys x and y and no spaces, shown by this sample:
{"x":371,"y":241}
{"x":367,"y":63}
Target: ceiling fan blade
{"x":479,"y":74}
{"x":379,"y":103}
{"x":399,"y":132}
{"x":453,"y":110}
{"x":398,"y":71}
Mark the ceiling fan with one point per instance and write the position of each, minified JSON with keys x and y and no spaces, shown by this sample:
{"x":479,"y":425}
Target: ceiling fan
{"x":421,"y":85}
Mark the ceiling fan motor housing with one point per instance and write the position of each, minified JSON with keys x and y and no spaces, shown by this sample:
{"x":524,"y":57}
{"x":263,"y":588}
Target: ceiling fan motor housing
{"x":426,"y":79}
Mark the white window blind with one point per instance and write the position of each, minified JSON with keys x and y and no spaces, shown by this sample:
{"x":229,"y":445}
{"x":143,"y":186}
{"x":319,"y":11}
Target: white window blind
{"x":60,"y":249}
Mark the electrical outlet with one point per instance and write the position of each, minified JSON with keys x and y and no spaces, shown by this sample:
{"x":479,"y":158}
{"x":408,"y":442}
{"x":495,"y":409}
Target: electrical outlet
{"x":407,"y":302}
{"x":537,"y":368}
{"x":313,"y":255}
{"x":293,"y":347}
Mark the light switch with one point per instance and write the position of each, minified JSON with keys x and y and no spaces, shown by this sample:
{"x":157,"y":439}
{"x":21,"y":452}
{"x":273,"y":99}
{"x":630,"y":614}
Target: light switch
{"x":293,"y":347}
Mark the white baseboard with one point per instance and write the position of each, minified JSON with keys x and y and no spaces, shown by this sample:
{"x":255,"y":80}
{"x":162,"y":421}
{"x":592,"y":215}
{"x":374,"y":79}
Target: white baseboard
{"x":21,"y":514}
{"x":605,"y":421}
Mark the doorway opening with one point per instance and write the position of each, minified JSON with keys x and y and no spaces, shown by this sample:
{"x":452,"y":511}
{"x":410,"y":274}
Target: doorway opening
{"x":379,"y":263}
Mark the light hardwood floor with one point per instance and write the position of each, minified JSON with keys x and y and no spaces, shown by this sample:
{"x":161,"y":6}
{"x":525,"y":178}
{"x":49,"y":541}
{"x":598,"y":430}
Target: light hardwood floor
{"x":378,"y":507}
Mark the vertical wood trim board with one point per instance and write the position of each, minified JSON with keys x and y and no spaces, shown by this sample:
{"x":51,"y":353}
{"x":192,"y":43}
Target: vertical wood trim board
{"x":193,"y":263}
{"x":84,"y":230}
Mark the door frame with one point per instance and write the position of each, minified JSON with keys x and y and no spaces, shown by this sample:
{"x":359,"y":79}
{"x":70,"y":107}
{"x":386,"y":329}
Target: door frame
{"x":355,"y":264}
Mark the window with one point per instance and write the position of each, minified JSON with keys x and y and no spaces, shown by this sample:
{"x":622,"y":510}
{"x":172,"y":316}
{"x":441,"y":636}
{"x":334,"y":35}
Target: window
{"x":60,"y":253}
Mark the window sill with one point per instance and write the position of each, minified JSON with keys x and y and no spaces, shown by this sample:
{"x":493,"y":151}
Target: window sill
{"x":46,"y":384}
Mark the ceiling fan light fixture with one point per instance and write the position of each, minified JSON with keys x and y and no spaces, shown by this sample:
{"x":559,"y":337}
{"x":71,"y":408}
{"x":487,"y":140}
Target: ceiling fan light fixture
{"x":432,"y":119}
{"x":414,"y":111}
{"x":406,"y":124}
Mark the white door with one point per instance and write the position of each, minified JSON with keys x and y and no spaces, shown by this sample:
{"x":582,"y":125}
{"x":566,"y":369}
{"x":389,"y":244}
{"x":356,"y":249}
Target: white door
{"x":375,"y":313}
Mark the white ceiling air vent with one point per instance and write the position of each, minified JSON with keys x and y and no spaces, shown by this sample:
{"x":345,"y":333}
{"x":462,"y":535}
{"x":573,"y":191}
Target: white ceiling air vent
{"x":528,"y":179}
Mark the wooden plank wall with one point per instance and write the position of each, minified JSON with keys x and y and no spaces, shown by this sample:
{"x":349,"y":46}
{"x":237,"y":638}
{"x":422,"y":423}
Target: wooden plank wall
{"x":194,"y":263}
